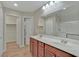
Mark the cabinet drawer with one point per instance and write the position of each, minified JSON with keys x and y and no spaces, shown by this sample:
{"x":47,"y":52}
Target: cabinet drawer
{"x":59,"y":53}
{"x":33,"y":47}
{"x":40,"y":49}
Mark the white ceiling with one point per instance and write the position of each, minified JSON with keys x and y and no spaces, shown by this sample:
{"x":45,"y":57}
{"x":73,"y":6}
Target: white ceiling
{"x":25,"y":6}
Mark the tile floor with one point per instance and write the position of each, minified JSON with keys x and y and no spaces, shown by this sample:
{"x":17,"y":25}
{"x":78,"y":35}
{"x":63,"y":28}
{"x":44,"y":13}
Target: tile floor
{"x":14,"y":51}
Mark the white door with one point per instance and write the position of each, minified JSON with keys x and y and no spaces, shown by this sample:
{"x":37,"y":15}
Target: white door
{"x":28,"y":29}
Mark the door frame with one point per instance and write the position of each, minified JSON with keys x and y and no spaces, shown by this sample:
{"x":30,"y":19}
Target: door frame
{"x":5,"y":28}
{"x":23,"y":26}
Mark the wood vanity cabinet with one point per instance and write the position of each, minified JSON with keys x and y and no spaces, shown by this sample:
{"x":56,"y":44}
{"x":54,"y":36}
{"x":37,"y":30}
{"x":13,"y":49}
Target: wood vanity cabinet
{"x":41,"y":49}
{"x":33,"y":47}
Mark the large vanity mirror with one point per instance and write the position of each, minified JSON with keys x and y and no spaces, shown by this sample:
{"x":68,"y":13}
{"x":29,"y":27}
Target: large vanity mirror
{"x":63,"y":23}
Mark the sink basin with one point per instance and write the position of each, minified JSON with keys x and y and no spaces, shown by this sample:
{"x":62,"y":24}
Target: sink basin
{"x":55,"y":40}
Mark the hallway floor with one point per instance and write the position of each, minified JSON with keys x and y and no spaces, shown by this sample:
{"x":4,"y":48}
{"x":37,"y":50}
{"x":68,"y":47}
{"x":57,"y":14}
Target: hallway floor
{"x":14,"y":51}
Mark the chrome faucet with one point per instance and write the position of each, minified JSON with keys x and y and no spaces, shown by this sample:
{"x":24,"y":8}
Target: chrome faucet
{"x":64,"y":41}
{"x":41,"y":35}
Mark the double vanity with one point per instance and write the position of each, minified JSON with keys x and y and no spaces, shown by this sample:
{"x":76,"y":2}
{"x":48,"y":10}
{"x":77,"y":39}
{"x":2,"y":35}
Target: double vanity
{"x":52,"y":46}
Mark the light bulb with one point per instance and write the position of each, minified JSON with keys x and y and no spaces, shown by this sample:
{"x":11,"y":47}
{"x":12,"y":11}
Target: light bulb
{"x":43,"y":7}
{"x":15,"y":4}
{"x":47,"y":5}
{"x":64,"y":8}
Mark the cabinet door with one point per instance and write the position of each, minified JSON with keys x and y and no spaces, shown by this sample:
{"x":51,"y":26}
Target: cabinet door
{"x":34,"y":47}
{"x":49,"y":52}
{"x":40,"y":49}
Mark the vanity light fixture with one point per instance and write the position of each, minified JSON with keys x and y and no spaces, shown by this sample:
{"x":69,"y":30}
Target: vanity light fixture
{"x":48,"y":4}
{"x":15,"y":4}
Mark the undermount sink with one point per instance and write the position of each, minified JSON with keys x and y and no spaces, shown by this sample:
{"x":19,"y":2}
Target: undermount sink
{"x":55,"y":40}
{"x":69,"y":43}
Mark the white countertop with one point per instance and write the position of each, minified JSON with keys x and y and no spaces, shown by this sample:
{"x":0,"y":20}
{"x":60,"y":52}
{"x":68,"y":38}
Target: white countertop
{"x":71,"y":46}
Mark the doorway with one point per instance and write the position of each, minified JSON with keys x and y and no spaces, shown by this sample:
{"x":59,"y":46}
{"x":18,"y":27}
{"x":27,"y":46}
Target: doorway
{"x":11,"y":31}
{"x":28,"y":29}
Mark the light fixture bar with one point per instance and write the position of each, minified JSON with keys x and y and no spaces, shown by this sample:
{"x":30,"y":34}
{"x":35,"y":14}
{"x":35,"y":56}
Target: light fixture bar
{"x":48,"y":4}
